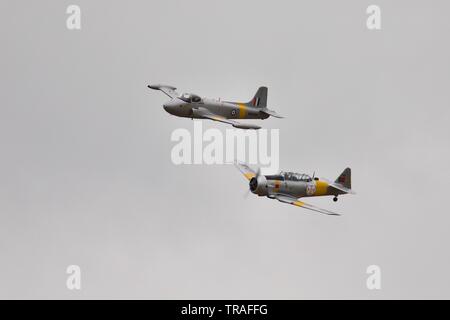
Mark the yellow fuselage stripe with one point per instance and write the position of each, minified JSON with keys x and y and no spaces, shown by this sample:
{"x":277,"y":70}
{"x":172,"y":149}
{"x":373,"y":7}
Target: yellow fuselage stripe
{"x":321,"y":188}
{"x":242,"y":111}
{"x":277,"y":185}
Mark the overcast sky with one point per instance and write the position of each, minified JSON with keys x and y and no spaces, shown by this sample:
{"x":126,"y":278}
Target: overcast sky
{"x":86,"y":176}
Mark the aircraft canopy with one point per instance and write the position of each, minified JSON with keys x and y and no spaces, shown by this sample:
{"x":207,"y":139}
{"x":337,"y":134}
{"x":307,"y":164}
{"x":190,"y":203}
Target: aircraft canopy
{"x":292,"y":176}
{"x":190,"y":97}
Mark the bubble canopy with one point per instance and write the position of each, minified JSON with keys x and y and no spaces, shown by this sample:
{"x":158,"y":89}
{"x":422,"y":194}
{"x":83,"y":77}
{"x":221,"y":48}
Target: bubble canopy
{"x":190,"y":97}
{"x":293,"y":176}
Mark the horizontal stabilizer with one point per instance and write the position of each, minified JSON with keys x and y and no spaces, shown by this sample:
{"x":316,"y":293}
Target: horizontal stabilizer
{"x":342,"y":188}
{"x":271,"y":113}
{"x":338,"y":186}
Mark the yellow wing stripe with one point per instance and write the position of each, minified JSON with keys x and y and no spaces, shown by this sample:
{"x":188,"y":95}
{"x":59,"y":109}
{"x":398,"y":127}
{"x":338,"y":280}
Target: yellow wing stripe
{"x":249,"y":175}
{"x":298,"y":203}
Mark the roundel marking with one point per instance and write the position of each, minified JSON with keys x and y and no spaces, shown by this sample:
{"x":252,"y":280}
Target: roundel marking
{"x":310,"y":189}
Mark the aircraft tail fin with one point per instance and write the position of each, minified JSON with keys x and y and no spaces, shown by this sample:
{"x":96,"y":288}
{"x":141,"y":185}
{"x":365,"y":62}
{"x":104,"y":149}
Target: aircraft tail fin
{"x":260,"y":98}
{"x":345,"y":178}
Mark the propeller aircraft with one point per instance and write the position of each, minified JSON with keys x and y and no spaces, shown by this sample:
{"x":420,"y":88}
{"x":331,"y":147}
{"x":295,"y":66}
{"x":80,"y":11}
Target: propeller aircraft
{"x":288,"y":187}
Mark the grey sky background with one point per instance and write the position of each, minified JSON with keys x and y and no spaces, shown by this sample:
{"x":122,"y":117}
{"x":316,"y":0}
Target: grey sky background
{"x":85,"y":170}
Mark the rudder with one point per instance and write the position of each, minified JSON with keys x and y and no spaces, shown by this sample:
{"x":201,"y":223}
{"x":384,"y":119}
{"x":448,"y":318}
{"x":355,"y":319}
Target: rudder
{"x":260,"y":98}
{"x":345,"y":178}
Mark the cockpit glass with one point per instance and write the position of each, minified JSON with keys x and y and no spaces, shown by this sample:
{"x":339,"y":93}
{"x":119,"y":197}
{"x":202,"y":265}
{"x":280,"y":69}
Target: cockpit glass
{"x":189,"y":97}
{"x":186,"y":97}
{"x":292,"y":176}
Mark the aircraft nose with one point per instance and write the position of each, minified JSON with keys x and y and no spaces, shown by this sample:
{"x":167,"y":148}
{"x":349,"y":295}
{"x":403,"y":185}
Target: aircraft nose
{"x":169,"y":106}
{"x":253,"y":184}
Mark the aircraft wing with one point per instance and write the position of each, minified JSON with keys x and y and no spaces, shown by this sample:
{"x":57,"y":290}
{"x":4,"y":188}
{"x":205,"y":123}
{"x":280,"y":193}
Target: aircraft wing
{"x":168,"y":90}
{"x":245,"y":170}
{"x":205,"y":113}
{"x":298,"y":203}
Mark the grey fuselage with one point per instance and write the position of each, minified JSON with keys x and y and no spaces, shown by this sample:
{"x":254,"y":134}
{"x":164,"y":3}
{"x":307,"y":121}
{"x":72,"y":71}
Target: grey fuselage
{"x":274,"y":185}
{"x":228,"y":110}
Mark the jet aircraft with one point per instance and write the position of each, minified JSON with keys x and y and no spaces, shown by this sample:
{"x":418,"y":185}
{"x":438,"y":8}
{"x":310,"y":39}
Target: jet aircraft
{"x":192,"y":106}
{"x":288,"y":187}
